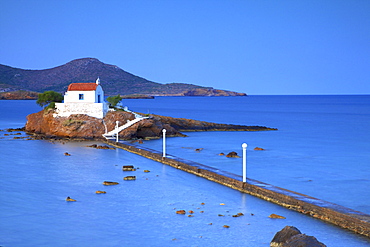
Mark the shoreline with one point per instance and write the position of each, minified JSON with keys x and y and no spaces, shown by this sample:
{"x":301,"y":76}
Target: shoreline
{"x":343,"y":217}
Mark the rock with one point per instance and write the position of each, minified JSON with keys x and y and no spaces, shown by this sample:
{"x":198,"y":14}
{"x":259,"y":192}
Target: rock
{"x":67,"y":154}
{"x":128,"y":168}
{"x":191,"y":212}
{"x":226,"y":226}
{"x":275,"y":216}
{"x":83,"y":126}
{"x":221,"y":154}
{"x":284,"y":235}
{"x":198,"y":150}
{"x":290,"y":236}
{"x":232,"y":155}
{"x":105,"y":147}
{"x":100,"y":147}
{"x":238,"y":215}
{"x":110,"y":183}
{"x":302,"y":240}
{"x":130,"y":178}
{"x":258,"y":149}
{"x":181,"y":212}
{"x":146,"y":171}
{"x":68,"y":199}
{"x":100,"y":192}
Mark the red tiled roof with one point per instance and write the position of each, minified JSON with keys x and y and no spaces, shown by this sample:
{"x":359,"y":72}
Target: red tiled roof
{"x":82,"y":87}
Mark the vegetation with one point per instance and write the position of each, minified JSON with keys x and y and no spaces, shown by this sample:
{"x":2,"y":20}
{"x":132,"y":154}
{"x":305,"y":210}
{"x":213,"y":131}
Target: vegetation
{"x":50,"y":106}
{"x":48,"y":97}
{"x":114,"y":100}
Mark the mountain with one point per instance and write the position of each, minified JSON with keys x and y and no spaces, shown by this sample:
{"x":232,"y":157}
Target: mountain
{"x":113,"y":79}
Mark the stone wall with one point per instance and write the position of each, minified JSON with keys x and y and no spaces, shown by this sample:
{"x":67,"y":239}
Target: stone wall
{"x":341,"y":216}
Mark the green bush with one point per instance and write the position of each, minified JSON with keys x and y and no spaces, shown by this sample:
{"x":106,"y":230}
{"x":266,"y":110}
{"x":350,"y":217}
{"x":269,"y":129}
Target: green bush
{"x":47,"y":97}
{"x":50,"y":106}
{"x":114,"y":100}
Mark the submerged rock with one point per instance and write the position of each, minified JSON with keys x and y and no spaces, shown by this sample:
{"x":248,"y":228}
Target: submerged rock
{"x":129,"y":178}
{"x":100,"y":192}
{"x":232,"y":155}
{"x":110,"y":183}
{"x":68,"y":199}
{"x":128,"y":168}
{"x":100,"y":147}
{"x":275,"y":216}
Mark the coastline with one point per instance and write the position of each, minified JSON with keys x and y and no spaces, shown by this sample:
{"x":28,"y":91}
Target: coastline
{"x":148,"y":127}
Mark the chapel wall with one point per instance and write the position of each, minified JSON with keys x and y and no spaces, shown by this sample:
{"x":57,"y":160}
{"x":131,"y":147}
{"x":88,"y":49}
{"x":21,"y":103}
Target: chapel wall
{"x":97,"y":110}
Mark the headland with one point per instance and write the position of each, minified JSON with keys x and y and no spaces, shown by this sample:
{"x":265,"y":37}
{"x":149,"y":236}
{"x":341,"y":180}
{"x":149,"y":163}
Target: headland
{"x":86,"y":127}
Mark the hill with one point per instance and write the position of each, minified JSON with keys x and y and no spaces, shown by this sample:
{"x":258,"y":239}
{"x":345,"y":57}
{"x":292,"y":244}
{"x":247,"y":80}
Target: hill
{"x":113,"y":79}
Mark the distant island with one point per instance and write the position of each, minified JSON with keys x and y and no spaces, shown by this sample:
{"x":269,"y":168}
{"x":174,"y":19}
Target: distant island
{"x":14,"y":82}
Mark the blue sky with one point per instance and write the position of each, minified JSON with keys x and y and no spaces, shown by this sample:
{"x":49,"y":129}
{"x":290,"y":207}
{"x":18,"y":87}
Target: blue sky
{"x":256,"y":47}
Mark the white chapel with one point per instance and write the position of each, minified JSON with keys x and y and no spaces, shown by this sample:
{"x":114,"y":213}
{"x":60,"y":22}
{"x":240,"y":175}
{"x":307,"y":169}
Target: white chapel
{"x":83,"y":98}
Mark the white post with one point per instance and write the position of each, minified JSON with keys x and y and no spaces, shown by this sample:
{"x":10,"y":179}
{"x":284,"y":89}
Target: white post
{"x":164,"y":142}
{"x":117,"y":122}
{"x":244,"y":146}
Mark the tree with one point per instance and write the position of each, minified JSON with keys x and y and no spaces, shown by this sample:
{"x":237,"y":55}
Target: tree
{"x":114,"y":100}
{"x":47,"y":97}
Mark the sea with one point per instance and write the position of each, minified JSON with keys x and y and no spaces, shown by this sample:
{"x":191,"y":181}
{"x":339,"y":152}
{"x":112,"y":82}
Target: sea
{"x":321,"y":149}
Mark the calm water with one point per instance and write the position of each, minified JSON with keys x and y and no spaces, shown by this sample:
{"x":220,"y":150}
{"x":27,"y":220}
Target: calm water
{"x":321,"y":149}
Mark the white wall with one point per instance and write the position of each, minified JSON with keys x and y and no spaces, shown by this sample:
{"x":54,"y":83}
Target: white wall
{"x":89,"y":96}
{"x":97,"y":110}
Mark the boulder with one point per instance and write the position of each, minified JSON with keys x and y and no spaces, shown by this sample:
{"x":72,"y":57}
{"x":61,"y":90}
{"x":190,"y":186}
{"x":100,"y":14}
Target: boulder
{"x":302,"y":240}
{"x":258,"y":149}
{"x":181,"y":212}
{"x":129,"y":178}
{"x":232,"y":155}
{"x":284,"y":235}
{"x":290,"y":236}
